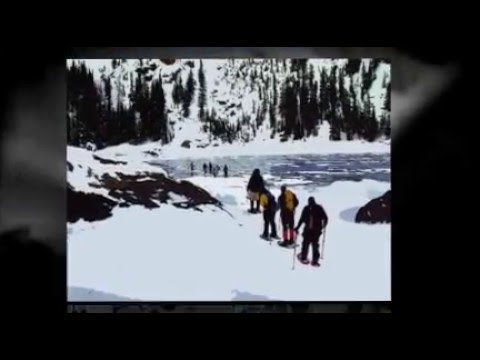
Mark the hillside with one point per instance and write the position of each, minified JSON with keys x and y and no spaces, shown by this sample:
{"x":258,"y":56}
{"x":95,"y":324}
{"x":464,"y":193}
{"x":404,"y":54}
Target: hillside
{"x":237,"y":101}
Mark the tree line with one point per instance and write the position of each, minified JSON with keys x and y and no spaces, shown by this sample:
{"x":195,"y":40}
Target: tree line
{"x":296,"y":111}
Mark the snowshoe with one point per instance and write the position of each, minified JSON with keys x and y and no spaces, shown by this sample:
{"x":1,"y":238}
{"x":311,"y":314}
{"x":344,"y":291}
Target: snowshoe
{"x":274,"y":237}
{"x":265,"y":238}
{"x":286,"y":244}
{"x":316,"y":264}
{"x":303,"y":261}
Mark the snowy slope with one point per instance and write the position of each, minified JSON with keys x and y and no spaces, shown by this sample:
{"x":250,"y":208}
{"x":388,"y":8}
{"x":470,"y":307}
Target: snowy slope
{"x":236,"y":89}
{"x":87,"y":171}
{"x":136,"y":254}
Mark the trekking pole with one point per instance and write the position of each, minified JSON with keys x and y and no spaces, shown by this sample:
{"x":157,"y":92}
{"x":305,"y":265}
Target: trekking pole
{"x":323,"y":242}
{"x":294,"y":249}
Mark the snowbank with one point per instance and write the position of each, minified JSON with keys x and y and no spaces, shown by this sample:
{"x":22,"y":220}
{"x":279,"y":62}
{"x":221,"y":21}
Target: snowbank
{"x":84,"y":170}
{"x":260,"y":146}
{"x":168,"y":254}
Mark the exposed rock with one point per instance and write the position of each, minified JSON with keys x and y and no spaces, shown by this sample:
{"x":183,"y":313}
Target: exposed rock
{"x":110,"y":162}
{"x":151,"y":188}
{"x":376,"y":211}
{"x":186,"y":144}
{"x":69,"y":166}
{"x":86,"y":206}
{"x":151,"y":153}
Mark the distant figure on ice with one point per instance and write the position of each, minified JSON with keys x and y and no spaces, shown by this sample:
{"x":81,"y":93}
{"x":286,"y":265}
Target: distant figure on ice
{"x":225,"y":171}
{"x":214,"y":171}
{"x":210,"y":168}
{"x":205,"y":168}
{"x":192,"y":168}
{"x":269,"y":205}
{"x":287,"y":202}
{"x":217,"y":170}
{"x":254,"y":187}
{"x":315,"y":219}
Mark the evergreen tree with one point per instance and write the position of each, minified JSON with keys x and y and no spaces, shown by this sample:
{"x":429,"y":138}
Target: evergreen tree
{"x":177,"y":92}
{"x":353,"y":122}
{"x":304,"y":116}
{"x":324,"y":94}
{"x":333,"y":105}
{"x":188,"y":94}
{"x":289,"y":109}
{"x":159,"y":119}
{"x":387,"y":103}
{"x":352,"y":67}
{"x":275,"y":95}
{"x":273,"y":119}
{"x":202,"y":95}
{"x":387,"y":110}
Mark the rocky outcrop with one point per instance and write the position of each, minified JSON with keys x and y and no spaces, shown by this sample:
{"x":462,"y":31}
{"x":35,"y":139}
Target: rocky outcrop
{"x":87,"y":206}
{"x":150,"y":189}
{"x":186,"y":144}
{"x":376,"y":211}
{"x":109,"y":162}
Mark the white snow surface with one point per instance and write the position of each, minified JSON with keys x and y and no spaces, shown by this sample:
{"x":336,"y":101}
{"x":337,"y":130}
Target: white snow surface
{"x":261,"y":145}
{"x":87,"y":170}
{"x":171,"y":254}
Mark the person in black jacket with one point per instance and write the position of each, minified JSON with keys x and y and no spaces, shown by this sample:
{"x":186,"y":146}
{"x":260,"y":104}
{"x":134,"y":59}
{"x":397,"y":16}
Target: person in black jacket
{"x":225,"y":171}
{"x":254,"y":188}
{"x":315,"y":219}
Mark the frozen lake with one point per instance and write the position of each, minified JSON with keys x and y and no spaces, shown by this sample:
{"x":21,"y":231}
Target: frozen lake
{"x":320,"y":170}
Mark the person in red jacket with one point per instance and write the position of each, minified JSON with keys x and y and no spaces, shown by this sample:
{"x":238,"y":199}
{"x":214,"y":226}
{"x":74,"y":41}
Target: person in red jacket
{"x":315,"y":219}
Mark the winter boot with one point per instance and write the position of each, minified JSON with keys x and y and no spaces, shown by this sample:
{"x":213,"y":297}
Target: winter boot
{"x":303,"y":261}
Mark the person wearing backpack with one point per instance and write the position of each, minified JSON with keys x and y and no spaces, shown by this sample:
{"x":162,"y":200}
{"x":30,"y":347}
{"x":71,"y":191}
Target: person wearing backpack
{"x":315,"y":219}
{"x":255,"y":185}
{"x":270,"y":207}
{"x":288,"y":202}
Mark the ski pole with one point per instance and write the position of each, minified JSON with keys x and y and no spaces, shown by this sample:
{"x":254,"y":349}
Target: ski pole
{"x":294,"y":249}
{"x":323,"y":242}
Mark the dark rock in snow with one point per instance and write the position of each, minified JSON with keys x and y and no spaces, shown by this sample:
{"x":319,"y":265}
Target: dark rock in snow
{"x":86,"y":206}
{"x":376,"y":211}
{"x":144,"y":189}
{"x":186,"y":144}
{"x":151,"y":153}
{"x":69,"y":166}
{"x":107,"y":161}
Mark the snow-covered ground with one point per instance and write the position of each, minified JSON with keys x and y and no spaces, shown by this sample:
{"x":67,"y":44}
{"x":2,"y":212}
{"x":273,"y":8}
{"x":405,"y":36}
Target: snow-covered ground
{"x":262,"y":144}
{"x":171,"y":254}
{"x":87,"y":170}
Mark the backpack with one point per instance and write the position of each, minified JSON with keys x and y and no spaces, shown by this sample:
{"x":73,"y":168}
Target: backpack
{"x":289,"y":200}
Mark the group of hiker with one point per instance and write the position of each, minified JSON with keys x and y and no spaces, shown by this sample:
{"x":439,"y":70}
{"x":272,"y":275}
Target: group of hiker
{"x":313,"y":217}
{"x":213,"y":170}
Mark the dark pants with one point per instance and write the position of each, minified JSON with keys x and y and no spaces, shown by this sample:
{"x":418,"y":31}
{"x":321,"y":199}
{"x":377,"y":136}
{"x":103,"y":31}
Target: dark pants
{"x":311,"y":238}
{"x":288,"y":223}
{"x":269,"y":221}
